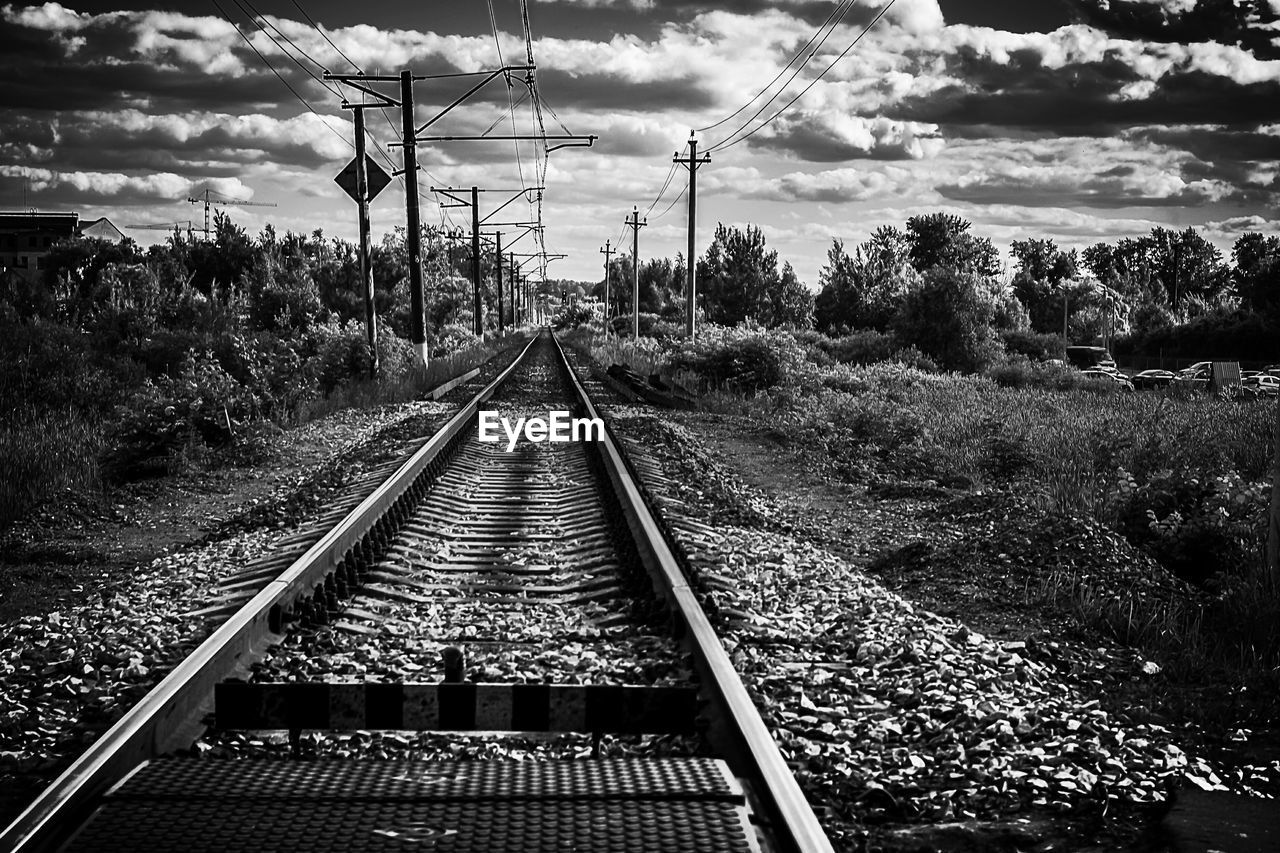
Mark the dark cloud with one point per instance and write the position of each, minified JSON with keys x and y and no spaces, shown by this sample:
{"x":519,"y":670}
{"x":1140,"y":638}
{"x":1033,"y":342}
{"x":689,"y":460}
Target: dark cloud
{"x":1214,"y":144}
{"x":1085,"y":100}
{"x":1224,"y":21}
{"x":611,"y":92}
{"x":1107,"y":189}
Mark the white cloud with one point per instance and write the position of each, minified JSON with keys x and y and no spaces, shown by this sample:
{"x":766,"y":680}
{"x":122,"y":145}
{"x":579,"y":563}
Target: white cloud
{"x":126,"y":189}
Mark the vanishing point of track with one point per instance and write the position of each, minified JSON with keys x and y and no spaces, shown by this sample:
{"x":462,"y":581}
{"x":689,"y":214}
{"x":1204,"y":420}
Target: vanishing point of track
{"x":467,"y":559}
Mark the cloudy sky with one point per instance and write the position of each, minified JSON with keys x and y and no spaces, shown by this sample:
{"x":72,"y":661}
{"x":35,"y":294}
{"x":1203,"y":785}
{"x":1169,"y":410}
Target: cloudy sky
{"x":1080,"y":120}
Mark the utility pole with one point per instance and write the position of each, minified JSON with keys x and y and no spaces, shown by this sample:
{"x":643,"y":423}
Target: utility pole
{"x":1065,"y":342}
{"x":1177,"y":245}
{"x":475,"y":260}
{"x":413,"y":235}
{"x":366,"y":259}
{"x":498,"y":257}
{"x":606,"y":251}
{"x":411,"y":136}
{"x":635,"y":224}
{"x":691,"y":293}
{"x":514,"y":272}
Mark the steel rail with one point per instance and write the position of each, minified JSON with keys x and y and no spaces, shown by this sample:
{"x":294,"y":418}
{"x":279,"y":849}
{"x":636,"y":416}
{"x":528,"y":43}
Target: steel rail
{"x":149,"y":727}
{"x":792,"y":821}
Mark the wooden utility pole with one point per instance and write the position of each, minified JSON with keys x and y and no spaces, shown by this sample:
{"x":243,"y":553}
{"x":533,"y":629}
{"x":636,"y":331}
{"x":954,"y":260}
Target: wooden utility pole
{"x":366,"y":259}
{"x":635,"y":224}
{"x":413,"y":235}
{"x":475,"y":260}
{"x":606,"y":251}
{"x":1065,"y":341}
{"x":498,"y":271}
{"x":515,"y":282}
{"x":691,"y":292}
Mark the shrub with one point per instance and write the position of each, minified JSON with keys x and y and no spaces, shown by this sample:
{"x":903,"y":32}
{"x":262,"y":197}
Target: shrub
{"x":744,"y":359}
{"x":344,"y":357}
{"x":621,"y":324}
{"x":1015,"y":373}
{"x":168,"y":420}
{"x":1034,"y":345}
{"x":1232,"y":334}
{"x":283,"y":295}
{"x":861,"y":347}
{"x":571,"y":316}
{"x":452,"y":338}
{"x":1195,"y":526}
{"x":57,"y":367}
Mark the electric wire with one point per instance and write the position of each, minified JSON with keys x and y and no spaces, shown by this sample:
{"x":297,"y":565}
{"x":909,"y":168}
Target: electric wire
{"x":279,"y":76}
{"x":764,"y":106}
{"x":257,"y":17}
{"x":527,"y":26}
{"x":671,"y":173}
{"x":801,"y":52}
{"x":325,"y":35}
{"x":725,"y":144}
{"x":667,"y":209}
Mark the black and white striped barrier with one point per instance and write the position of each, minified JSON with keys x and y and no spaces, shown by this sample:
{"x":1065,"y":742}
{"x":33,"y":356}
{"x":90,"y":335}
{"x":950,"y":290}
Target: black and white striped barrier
{"x":595,"y":708}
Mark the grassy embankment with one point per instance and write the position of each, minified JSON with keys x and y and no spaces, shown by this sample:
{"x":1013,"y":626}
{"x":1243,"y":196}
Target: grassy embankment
{"x":1185,"y":477}
{"x":54,"y":444}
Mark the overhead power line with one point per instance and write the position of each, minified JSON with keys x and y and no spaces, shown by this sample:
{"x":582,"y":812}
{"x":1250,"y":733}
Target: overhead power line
{"x":841,"y":8}
{"x":325,"y":35}
{"x":256,"y":18}
{"x":725,"y":143}
{"x":279,"y":76}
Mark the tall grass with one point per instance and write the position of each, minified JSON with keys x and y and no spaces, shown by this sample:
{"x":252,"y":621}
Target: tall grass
{"x":403,"y":387}
{"x":42,"y":453}
{"x":1238,"y":628}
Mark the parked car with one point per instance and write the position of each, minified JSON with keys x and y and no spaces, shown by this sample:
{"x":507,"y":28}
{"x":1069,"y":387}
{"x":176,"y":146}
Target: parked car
{"x":1109,"y":375}
{"x":1261,"y":385}
{"x":1086,"y":357}
{"x":1198,"y":375}
{"x":1152,"y":378}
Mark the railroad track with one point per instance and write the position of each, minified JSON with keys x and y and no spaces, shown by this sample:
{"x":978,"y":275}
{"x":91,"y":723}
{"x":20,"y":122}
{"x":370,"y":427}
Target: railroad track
{"x":524,"y":600}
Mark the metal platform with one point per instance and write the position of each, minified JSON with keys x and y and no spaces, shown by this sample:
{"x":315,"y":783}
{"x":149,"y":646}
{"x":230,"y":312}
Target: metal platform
{"x":227,"y":806}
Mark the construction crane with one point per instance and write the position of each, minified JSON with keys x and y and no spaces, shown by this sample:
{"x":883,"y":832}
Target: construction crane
{"x":164,"y":226}
{"x":206,"y":201}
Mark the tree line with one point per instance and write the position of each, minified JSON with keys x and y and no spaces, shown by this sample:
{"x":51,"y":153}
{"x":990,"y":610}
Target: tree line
{"x":936,"y":285}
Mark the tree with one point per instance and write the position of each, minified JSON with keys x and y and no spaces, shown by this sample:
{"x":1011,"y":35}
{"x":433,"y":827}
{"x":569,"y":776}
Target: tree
{"x":283,"y":296}
{"x":1043,"y":270}
{"x":1257,"y":272}
{"x":1186,"y":264}
{"x":865,"y":290}
{"x":740,"y":278}
{"x":790,"y":302}
{"x":943,"y":240}
{"x":215,"y":266}
{"x":70,"y":275}
{"x":948,"y":317}
{"x":839,"y":301}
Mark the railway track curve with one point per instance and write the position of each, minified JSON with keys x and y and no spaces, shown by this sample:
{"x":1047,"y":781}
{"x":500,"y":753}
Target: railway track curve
{"x":478,"y":589}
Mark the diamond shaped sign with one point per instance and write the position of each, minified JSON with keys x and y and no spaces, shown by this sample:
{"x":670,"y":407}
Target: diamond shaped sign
{"x":378,"y":179}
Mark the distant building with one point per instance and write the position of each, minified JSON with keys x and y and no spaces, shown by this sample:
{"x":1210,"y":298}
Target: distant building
{"x":27,"y":235}
{"x":101,"y":229}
